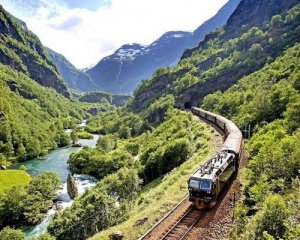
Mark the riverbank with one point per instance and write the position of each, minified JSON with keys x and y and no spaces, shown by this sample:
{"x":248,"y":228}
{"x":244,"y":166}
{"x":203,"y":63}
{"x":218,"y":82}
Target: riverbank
{"x":57,"y":161}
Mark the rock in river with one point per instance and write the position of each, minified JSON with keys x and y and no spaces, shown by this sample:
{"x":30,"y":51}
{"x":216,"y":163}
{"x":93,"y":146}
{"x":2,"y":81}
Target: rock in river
{"x":71,"y":187}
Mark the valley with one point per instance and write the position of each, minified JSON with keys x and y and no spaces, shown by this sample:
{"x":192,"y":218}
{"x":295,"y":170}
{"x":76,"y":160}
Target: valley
{"x":132,"y":156}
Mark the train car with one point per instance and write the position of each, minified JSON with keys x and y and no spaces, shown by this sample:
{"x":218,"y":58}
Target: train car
{"x":208,"y":181}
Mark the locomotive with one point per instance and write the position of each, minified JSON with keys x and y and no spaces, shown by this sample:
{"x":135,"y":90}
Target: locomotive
{"x":208,"y":181}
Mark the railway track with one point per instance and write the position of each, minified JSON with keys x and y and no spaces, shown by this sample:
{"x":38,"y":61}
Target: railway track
{"x":184,"y":220}
{"x":185,"y":223}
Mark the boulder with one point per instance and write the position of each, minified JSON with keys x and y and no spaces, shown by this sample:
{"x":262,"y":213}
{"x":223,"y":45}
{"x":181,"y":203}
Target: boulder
{"x":140,"y":222}
{"x":118,"y":235}
{"x":78,"y":144}
{"x":71,"y":187}
{"x":2,"y":167}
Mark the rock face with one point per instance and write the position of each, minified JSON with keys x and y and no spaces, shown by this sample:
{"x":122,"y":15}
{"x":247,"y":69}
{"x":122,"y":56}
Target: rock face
{"x":23,"y":51}
{"x":75,"y":78}
{"x":255,"y":12}
{"x":71,"y":187}
{"x":122,"y":71}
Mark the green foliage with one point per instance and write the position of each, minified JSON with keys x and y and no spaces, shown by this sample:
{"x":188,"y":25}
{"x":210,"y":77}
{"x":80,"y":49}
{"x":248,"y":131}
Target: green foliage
{"x":74,"y":136}
{"x":155,"y":113}
{"x":32,"y":119}
{"x":98,"y":209}
{"x":262,"y":96}
{"x":269,"y":221}
{"x":84,"y":135}
{"x":168,"y":146}
{"x":268,"y":100}
{"x":120,"y":121}
{"x":45,"y":236}
{"x":218,"y":62}
{"x":11,"y":234}
{"x":24,"y":43}
{"x":29,"y":204}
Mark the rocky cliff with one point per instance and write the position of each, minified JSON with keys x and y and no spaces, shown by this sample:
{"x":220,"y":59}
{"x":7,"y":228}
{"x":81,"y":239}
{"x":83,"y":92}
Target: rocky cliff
{"x":23,"y":51}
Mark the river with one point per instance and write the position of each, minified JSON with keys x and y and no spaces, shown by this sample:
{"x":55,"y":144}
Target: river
{"x":57,"y":161}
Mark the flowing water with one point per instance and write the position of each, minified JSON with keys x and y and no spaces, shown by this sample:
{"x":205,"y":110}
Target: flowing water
{"x":57,"y":161}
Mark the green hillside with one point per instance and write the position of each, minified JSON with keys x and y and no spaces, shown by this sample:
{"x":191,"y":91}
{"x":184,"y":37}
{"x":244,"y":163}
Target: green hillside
{"x":268,"y":100}
{"x":32,"y":118}
{"x":11,"y":178}
{"x":221,"y":60}
{"x":22,"y":50}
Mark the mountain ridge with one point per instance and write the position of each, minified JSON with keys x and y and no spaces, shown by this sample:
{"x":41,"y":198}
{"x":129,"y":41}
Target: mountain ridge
{"x":22,"y":50}
{"x":75,"y":78}
{"x":118,"y":75}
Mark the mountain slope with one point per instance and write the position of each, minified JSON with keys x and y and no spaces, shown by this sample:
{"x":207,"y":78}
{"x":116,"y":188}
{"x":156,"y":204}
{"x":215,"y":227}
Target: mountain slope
{"x":74,"y":78}
{"x":219,"y":61}
{"x":269,"y":101}
{"x":123,"y":70}
{"x":23,"y":51}
{"x":33,"y":106}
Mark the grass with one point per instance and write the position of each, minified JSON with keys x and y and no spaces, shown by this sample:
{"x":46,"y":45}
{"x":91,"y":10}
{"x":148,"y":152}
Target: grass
{"x":159,"y":197}
{"x":11,"y":178}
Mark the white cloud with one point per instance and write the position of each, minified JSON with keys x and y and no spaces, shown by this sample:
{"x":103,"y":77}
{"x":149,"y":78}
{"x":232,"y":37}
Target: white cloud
{"x":85,"y":37}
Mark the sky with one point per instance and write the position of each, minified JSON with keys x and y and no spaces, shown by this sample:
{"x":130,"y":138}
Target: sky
{"x":85,"y":31}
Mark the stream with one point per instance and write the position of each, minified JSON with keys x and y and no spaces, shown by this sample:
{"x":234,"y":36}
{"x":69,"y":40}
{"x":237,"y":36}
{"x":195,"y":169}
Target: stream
{"x":56,"y":161}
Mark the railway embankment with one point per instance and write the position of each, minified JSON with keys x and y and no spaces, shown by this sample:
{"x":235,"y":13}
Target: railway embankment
{"x":182,"y":222}
{"x":162,"y":195}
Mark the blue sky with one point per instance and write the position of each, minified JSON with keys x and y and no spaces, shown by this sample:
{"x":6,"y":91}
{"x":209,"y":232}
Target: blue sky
{"x":88,"y":4}
{"x":87,"y":30}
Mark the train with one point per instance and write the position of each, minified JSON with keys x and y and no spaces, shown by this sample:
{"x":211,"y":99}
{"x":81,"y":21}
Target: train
{"x":206,"y":184}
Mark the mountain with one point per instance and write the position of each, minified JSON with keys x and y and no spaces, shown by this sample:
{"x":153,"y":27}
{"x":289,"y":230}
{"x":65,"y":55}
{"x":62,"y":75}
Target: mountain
{"x":224,"y":56}
{"x":75,"y":78}
{"x":122,"y":71}
{"x":23,"y":51}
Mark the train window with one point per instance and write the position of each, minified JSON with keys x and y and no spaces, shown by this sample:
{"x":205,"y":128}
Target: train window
{"x":194,"y":183}
{"x":206,"y":185}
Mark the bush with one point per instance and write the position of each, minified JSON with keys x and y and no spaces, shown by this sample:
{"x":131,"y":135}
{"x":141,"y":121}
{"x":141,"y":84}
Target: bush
{"x":270,"y":219}
{"x":29,"y":204}
{"x":11,"y":234}
{"x":85,"y":135}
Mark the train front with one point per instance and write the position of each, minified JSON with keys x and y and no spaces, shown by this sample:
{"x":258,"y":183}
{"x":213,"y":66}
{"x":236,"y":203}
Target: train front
{"x":201,"y":192}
